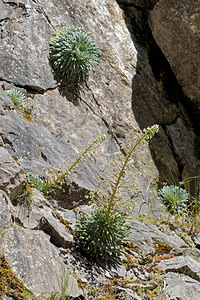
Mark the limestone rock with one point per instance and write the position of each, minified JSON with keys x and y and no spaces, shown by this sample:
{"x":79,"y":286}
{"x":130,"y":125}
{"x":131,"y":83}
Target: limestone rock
{"x":183,"y":265}
{"x":12,"y":177}
{"x":42,"y":216}
{"x":180,"y":287}
{"x":183,"y":144}
{"x":36,"y":261}
{"x":121,"y":97}
{"x":175,"y":26}
{"x":24,"y":50}
{"x":3,"y":13}
{"x":6,"y":210}
{"x":150,"y":236}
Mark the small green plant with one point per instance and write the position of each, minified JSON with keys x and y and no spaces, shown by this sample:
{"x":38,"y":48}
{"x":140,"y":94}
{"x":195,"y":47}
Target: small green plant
{"x":17,"y":98}
{"x":73,"y":54}
{"x":92,"y":290}
{"x":63,"y":284}
{"x":19,"y":101}
{"x":102,"y":232}
{"x":175,"y":199}
{"x":38,"y":183}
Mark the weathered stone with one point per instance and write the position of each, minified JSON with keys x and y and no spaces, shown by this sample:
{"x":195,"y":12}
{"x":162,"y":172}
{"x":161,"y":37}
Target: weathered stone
{"x":3,"y":13}
{"x":6,"y":210}
{"x":24,"y":50}
{"x":35,"y":261}
{"x":150,"y":236}
{"x":12,"y":177}
{"x":65,"y":118}
{"x":5,"y":216}
{"x":180,"y":287}
{"x":118,"y":271}
{"x":42,"y":216}
{"x":175,"y":26}
{"x":183,"y":144}
{"x":5,"y":101}
{"x":183,"y":265}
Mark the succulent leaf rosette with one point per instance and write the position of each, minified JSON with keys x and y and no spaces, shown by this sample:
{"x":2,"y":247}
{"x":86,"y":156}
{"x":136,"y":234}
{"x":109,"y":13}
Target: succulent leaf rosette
{"x":175,"y":199}
{"x":73,"y":54}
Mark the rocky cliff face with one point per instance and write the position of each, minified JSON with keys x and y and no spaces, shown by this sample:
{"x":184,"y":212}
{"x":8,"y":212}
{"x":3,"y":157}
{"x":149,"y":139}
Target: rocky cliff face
{"x":133,"y":87}
{"x":179,"y":24}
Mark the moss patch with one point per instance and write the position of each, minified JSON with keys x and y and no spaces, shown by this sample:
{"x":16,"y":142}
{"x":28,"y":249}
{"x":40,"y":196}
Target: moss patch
{"x":10,"y":285}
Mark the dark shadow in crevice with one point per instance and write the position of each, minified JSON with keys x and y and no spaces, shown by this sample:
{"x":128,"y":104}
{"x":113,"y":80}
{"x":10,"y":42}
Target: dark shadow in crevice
{"x":144,"y":100}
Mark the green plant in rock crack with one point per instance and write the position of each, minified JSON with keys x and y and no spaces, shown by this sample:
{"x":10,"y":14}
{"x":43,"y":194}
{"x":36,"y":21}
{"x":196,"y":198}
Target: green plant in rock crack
{"x":73,"y":54}
{"x":102,"y":232}
{"x":17,"y":98}
{"x":63,"y":284}
{"x":175,"y":199}
{"x":38,"y":183}
{"x":19,"y":101}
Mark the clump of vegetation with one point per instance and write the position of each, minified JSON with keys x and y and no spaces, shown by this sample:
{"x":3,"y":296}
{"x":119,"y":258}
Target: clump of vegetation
{"x":19,"y":101}
{"x":175,"y":199}
{"x":73,"y":54}
{"x":17,"y":98}
{"x":102,"y":235}
{"x":38,"y":183}
{"x":102,"y":232}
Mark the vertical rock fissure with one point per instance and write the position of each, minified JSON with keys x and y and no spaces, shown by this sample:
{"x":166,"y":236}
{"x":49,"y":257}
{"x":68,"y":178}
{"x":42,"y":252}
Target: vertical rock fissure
{"x":137,"y":23}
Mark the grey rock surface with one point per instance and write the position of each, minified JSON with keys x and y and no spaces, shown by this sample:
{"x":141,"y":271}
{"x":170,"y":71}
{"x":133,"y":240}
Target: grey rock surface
{"x":180,"y":287}
{"x":175,"y":26}
{"x":183,"y":265}
{"x":35,"y":261}
{"x":42,"y":216}
{"x":3,"y":13}
{"x":12,"y":176}
{"x":145,"y":235}
{"x":120,"y":98}
{"x":65,"y":118}
{"x":25,"y":48}
{"x":185,"y":151}
{"x":6,"y":210}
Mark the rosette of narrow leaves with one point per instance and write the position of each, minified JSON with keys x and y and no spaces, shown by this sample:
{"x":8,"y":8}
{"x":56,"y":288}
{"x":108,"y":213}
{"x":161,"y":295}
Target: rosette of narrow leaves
{"x":73,"y":54}
{"x":101,"y":235}
{"x":175,"y":199}
{"x":17,"y":98}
